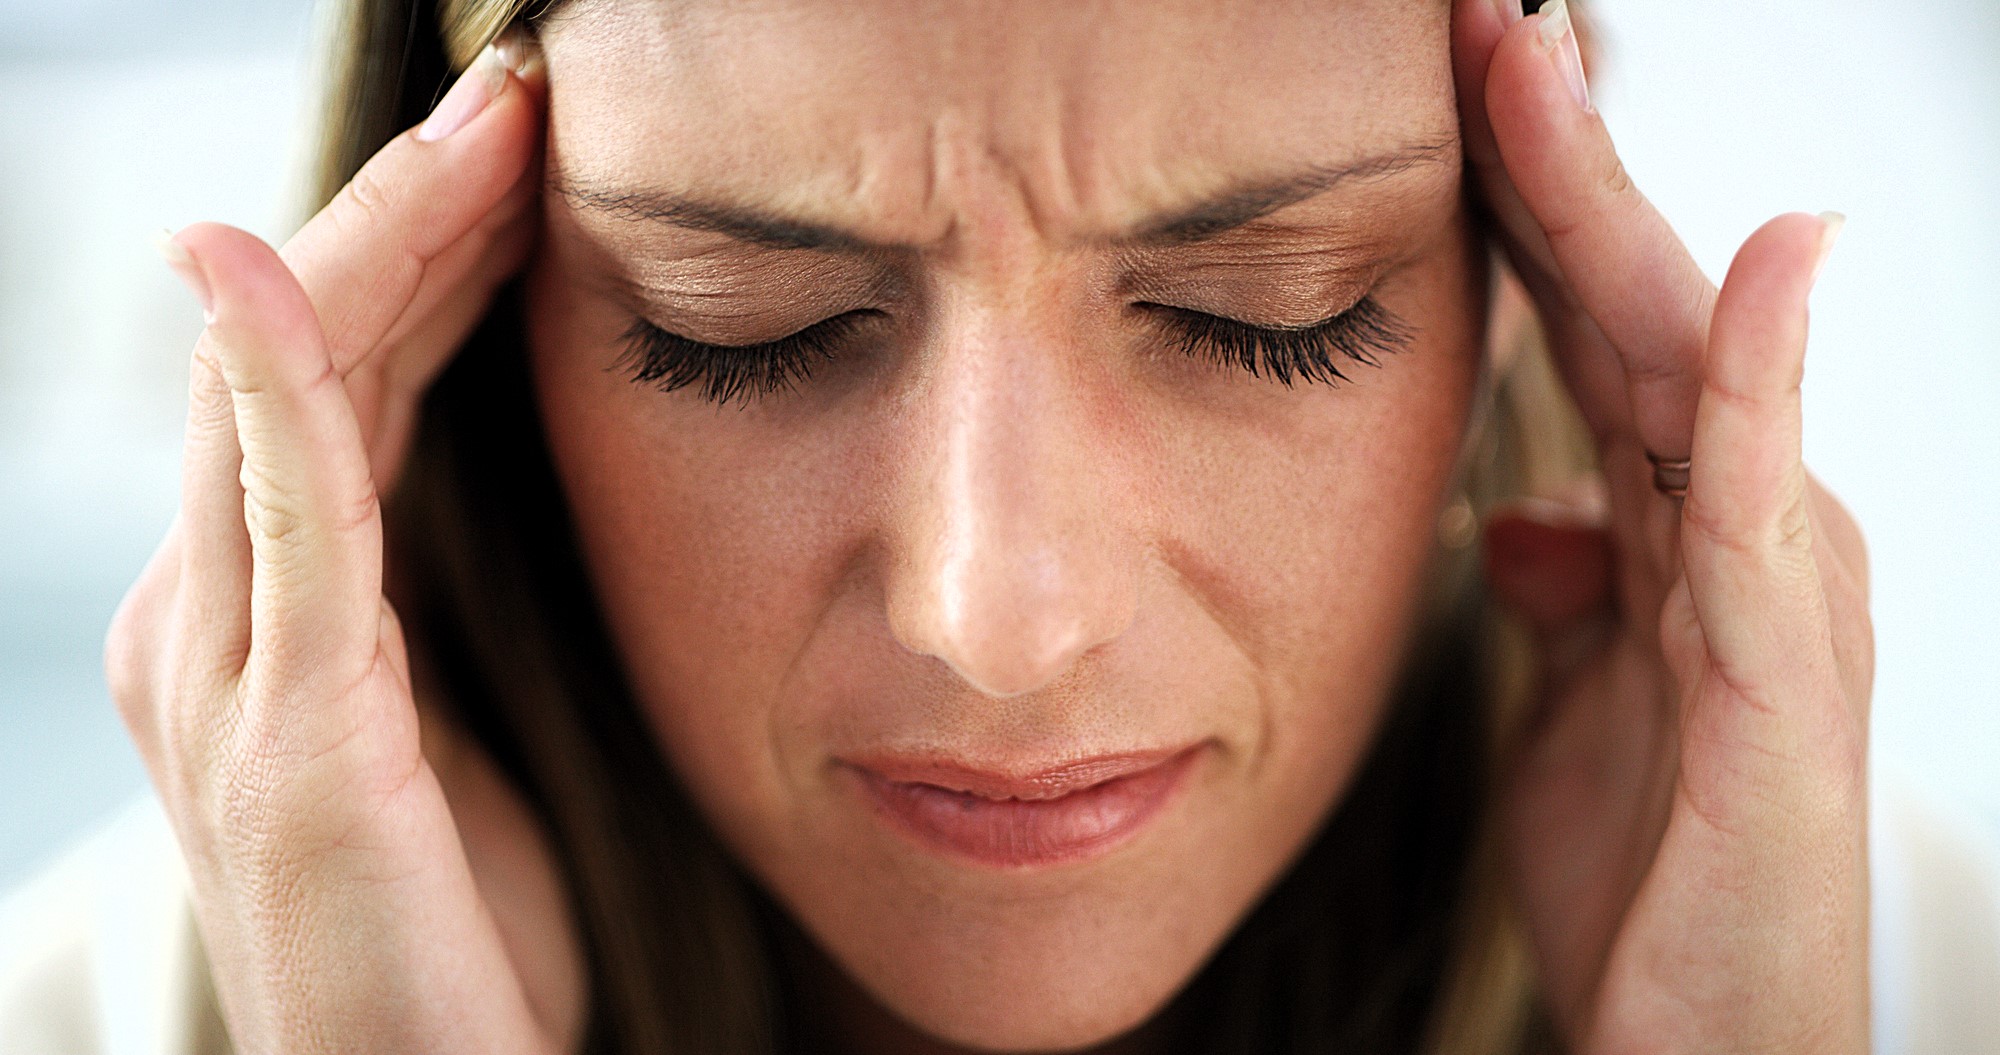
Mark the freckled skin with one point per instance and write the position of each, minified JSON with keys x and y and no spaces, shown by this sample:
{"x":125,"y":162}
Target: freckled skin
{"x":1013,"y":524}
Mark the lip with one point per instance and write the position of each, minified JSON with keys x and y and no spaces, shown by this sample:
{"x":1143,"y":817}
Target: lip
{"x":1053,"y":815}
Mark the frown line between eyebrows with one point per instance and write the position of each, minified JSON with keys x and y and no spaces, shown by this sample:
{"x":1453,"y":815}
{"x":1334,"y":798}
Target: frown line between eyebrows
{"x":1205,"y":219}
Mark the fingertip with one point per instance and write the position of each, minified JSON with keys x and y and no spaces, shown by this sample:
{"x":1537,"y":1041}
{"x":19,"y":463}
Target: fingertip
{"x":1804,"y":227}
{"x":1831,"y":224}
{"x":520,"y":53}
{"x":1538,"y":91}
{"x":189,"y":270}
{"x":209,"y":242}
{"x":258,"y":313}
{"x":503,"y":85}
{"x":1787,"y":252}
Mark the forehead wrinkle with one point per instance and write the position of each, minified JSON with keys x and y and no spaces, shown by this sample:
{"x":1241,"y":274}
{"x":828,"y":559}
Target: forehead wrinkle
{"x":1043,"y":105}
{"x":1234,"y":210}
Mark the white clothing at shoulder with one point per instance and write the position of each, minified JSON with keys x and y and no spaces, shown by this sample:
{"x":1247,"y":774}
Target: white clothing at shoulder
{"x":99,"y":954}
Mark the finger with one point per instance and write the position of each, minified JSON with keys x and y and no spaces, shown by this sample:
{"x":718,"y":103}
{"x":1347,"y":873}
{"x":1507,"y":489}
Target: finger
{"x":1618,"y":261}
{"x":489,"y":254}
{"x":212,"y":604}
{"x":392,"y":385}
{"x":308,"y":505}
{"x":1477,"y":29}
{"x":1590,"y":366}
{"x":365,"y":260}
{"x":1747,"y":540}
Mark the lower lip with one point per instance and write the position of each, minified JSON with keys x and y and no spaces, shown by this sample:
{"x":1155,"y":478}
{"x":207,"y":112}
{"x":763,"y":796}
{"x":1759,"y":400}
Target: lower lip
{"x":1018,"y":834}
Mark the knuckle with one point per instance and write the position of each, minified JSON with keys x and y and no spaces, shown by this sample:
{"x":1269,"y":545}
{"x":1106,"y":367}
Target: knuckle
{"x":1794,"y":534}
{"x":129,"y":652}
{"x":366,"y":198}
{"x":277,"y":519}
{"x":208,"y":386}
{"x":1614,"y":190}
{"x":133,"y":641}
{"x":1710,"y":524}
{"x":1614,"y":180}
{"x":284,"y":522}
{"x":1781,"y":542}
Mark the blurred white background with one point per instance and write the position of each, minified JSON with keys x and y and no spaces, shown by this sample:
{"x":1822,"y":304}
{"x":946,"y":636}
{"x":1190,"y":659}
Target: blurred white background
{"x":125,"y":116}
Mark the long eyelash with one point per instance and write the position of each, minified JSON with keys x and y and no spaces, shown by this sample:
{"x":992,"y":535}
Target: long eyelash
{"x":739,"y":373}
{"x":1310,"y":354}
{"x":730,"y":372}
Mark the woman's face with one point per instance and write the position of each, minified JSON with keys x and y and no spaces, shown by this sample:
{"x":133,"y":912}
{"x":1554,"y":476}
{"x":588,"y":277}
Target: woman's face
{"x":1019,"y":641}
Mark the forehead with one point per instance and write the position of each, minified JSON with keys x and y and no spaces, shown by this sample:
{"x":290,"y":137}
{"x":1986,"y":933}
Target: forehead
{"x":906,"y":117}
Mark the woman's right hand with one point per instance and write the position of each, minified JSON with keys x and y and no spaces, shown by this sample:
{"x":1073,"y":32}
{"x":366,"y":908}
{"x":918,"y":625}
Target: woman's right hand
{"x":363,"y":881}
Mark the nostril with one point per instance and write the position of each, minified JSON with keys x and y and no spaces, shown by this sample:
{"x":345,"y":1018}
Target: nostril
{"x":1004,"y":661}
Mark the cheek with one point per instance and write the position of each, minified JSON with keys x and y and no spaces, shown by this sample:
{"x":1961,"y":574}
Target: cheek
{"x":707,"y":535}
{"x":1307,"y":534}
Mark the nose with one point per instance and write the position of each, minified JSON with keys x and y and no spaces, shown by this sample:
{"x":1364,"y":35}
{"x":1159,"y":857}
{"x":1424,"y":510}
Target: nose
{"x":1011,"y":554}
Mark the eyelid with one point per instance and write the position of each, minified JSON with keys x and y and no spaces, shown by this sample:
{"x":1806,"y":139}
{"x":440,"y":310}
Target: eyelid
{"x":1280,"y":288}
{"x":741,"y":288}
{"x":1273,"y":328}
{"x":841,"y":320}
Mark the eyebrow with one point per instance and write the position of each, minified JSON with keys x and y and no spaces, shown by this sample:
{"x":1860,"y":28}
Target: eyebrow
{"x":1204,"y":220}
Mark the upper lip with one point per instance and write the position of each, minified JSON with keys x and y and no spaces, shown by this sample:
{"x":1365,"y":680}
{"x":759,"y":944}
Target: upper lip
{"x":1034,"y":783}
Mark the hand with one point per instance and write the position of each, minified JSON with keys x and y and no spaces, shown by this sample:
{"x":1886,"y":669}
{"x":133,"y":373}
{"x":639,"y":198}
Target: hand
{"x":363,"y":880}
{"x":1687,"y":817}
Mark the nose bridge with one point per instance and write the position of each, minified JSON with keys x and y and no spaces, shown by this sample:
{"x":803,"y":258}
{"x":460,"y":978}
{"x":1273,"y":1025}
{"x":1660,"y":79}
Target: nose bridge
{"x":1013,"y":562}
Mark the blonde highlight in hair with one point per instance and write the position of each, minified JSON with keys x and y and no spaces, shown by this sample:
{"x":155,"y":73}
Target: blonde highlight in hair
{"x":685,"y":954}
{"x":470,"y":25}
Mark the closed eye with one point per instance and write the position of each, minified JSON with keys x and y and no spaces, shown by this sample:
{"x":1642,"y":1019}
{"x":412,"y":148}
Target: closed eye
{"x":733,"y":372}
{"x":1313,"y":353}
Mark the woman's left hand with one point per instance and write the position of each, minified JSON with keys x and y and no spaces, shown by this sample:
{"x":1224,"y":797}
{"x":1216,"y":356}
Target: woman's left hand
{"x":1687,"y":822}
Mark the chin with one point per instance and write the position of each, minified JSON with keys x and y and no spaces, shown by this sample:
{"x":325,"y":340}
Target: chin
{"x":1051,"y":1004}
{"x":1032,"y":964}
{"x":1037,"y":957}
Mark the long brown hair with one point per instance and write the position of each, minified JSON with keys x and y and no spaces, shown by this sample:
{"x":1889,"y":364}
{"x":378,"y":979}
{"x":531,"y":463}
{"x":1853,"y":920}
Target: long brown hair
{"x":1389,"y":934}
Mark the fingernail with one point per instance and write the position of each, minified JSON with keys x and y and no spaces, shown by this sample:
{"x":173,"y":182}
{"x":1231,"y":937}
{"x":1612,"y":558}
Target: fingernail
{"x":1557,"y":36}
{"x":1510,"y":12}
{"x":476,"y":87}
{"x":1827,"y":236}
{"x":517,"y":50}
{"x":183,"y":264}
